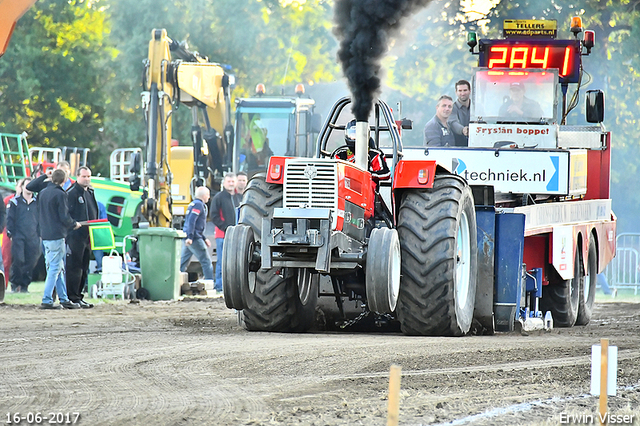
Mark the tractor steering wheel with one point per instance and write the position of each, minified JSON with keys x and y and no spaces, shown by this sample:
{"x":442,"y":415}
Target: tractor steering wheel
{"x":337,"y":150}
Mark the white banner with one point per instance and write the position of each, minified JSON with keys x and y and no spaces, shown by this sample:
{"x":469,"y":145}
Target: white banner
{"x":509,"y":170}
{"x":522,"y":135}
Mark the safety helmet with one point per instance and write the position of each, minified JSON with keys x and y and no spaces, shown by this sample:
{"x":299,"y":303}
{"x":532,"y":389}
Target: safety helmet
{"x":350,"y":133}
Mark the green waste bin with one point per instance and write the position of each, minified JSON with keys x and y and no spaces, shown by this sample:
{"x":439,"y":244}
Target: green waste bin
{"x":160,"y":261}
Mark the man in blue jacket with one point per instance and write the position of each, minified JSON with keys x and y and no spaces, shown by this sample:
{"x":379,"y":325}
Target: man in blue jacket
{"x":196,"y":243}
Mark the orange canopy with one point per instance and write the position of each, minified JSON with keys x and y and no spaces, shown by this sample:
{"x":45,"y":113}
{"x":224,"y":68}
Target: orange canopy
{"x":10,"y":12}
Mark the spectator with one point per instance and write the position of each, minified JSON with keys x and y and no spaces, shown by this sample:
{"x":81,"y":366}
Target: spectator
{"x":437,"y":131}
{"x":196,"y":243}
{"x":55,"y":221}
{"x":461,"y":114}
{"x":241,"y":182}
{"x":41,"y":182}
{"x":82,"y":207}
{"x":223,"y":215}
{"x":3,"y":220}
{"x":64,"y":165}
{"x":601,"y":280}
{"x":5,"y":253}
{"x":22,"y":228}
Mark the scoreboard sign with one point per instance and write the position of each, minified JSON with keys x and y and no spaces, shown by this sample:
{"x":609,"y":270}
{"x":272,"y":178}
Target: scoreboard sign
{"x":563,"y":55}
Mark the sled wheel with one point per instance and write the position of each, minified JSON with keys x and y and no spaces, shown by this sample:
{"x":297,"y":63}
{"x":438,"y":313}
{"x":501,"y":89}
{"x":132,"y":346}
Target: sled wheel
{"x":562,"y":297}
{"x":588,"y":292}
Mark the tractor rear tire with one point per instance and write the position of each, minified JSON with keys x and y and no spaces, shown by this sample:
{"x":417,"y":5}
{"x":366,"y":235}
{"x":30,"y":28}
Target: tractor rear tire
{"x":383,"y":270}
{"x":437,"y":229}
{"x":237,"y":251}
{"x":562,"y":297}
{"x":588,"y":291}
{"x":275,"y":302}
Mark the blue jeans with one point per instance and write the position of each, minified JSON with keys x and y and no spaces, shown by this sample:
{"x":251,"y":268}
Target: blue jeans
{"x":98,"y":255}
{"x":219,"y":242}
{"x":201,"y":251}
{"x":55,"y":252}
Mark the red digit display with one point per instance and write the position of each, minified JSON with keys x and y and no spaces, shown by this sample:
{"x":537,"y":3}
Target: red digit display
{"x":564,"y":55}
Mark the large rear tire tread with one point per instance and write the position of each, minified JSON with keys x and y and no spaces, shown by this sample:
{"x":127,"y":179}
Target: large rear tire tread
{"x":428,"y":224}
{"x":274,"y":304}
{"x":258,"y":201}
{"x":585,"y":309}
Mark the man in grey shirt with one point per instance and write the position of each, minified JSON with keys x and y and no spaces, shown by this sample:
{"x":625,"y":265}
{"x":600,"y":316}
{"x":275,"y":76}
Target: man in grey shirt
{"x":437,"y":131}
{"x":460,"y":117}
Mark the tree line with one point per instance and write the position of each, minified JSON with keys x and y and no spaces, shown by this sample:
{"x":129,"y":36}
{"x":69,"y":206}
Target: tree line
{"x":72,"y":73}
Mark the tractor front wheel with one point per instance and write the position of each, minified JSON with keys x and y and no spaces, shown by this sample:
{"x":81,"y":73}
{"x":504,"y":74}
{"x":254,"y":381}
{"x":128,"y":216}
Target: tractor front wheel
{"x":237,"y":252}
{"x":382,"y":277}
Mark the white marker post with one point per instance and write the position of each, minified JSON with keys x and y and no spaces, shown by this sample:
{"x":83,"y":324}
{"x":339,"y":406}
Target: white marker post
{"x":604,"y":373}
{"x":393,"y":415}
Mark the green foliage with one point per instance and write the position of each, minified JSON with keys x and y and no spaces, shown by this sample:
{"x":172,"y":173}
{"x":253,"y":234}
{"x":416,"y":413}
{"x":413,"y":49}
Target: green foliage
{"x":52,"y":73}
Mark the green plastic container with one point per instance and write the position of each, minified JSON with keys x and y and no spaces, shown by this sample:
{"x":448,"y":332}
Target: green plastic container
{"x":160,"y":261}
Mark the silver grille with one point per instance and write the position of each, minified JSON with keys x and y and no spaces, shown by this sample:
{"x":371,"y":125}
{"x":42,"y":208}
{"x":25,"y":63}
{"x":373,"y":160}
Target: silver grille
{"x":311,"y":184}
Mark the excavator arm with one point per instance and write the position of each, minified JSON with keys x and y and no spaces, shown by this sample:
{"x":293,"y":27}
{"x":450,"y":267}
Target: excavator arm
{"x":189,"y":79}
{"x":10,"y":12}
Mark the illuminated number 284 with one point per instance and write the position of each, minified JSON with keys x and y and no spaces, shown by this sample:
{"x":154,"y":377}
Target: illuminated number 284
{"x":532,"y":57}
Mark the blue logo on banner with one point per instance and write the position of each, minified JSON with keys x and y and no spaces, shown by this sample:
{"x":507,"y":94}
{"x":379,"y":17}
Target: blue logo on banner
{"x":554,"y":181}
{"x":458,"y":166}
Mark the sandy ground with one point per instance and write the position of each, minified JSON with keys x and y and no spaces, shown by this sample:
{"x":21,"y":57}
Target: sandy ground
{"x":188,"y":363}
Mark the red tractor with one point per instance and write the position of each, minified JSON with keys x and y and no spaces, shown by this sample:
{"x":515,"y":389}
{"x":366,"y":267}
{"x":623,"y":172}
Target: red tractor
{"x":404,"y":248}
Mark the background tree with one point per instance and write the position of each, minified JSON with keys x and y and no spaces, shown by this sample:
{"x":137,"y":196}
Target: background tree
{"x":52,"y":75}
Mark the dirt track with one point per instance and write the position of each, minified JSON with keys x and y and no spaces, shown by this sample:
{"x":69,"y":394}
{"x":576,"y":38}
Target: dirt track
{"x":188,"y":363}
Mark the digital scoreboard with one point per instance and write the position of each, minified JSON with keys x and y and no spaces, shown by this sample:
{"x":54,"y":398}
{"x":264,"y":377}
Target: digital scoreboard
{"x":563,"y":55}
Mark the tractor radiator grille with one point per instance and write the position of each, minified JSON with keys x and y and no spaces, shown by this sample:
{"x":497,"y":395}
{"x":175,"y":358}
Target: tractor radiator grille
{"x":311,"y":184}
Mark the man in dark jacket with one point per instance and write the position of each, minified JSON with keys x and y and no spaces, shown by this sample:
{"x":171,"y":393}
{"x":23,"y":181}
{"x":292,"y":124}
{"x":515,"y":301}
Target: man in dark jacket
{"x":223,"y":215}
{"x":22,"y":228}
{"x":196,"y":243}
{"x":55,"y":222}
{"x":82,"y":207}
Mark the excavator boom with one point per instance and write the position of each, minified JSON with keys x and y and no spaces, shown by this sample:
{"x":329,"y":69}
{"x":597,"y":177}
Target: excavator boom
{"x":188,"y":79}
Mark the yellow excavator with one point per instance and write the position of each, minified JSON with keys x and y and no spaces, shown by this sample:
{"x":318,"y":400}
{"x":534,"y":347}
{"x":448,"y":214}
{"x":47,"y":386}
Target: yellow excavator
{"x":175,"y":75}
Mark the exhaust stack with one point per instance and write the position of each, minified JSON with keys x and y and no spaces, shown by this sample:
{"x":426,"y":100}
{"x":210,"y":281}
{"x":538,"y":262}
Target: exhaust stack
{"x":362,"y":145}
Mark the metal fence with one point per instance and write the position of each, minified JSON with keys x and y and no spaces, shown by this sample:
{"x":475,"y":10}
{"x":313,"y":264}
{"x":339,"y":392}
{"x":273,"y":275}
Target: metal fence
{"x":624,"y":269}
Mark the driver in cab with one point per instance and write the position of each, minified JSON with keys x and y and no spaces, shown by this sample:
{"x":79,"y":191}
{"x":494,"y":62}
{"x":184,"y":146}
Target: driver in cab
{"x":377,"y":163}
{"x":518,"y":105}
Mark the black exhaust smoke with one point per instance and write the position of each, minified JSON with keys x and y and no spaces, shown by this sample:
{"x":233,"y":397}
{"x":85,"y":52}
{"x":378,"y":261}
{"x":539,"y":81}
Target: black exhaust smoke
{"x":363,"y":28}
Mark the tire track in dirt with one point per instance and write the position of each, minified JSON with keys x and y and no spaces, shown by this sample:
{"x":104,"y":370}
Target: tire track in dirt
{"x":160,"y":382}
